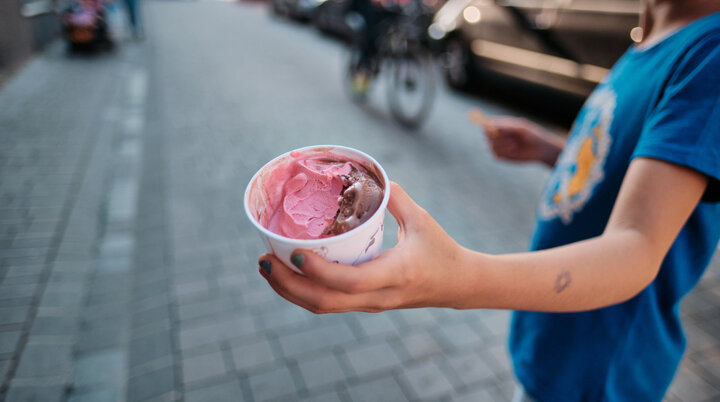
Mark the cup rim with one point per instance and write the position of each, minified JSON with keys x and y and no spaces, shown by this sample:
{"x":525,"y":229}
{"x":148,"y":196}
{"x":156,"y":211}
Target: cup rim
{"x":324,"y":240}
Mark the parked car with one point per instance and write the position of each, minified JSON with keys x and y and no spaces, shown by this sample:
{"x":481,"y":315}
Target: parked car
{"x":334,"y":17}
{"x":300,"y":10}
{"x":563,"y":44}
{"x":330,"y":17}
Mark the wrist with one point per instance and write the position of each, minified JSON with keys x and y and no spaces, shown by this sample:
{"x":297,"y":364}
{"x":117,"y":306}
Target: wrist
{"x":471,"y":280}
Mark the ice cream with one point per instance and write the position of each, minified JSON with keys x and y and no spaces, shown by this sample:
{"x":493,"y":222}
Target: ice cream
{"x":328,"y":199}
{"x":319,"y":195}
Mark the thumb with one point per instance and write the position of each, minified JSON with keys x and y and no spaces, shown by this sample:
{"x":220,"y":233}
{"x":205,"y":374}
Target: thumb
{"x":401,"y":206}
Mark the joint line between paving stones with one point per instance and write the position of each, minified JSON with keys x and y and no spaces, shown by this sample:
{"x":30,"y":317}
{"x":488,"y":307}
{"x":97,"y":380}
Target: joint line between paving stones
{"x":110,"y":176}
{"x":157,"y":150}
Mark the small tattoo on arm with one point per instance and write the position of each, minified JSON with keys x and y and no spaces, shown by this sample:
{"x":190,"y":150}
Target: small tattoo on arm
{"x":562,"y":281}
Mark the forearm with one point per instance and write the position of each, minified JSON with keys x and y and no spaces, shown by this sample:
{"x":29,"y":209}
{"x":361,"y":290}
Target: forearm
{"x":586,"y":275}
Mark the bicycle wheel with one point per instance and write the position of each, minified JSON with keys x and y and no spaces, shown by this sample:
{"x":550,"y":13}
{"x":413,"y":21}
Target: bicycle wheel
{"x":410,"y":89}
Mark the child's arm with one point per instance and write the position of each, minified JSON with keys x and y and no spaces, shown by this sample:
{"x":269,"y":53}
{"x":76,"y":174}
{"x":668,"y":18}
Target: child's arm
{"x":428,"y":268}
{"x":655,"y":201}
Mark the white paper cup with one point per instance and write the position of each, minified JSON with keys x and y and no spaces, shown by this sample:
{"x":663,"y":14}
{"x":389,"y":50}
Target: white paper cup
{"x":352,"y":247}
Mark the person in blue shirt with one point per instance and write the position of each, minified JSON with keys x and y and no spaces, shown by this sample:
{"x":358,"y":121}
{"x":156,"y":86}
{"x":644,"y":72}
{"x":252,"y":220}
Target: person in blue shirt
{"x":627,"y":224}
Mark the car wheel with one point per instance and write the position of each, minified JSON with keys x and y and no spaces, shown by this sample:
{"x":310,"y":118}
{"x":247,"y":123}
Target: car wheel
{"x":457,"y":63}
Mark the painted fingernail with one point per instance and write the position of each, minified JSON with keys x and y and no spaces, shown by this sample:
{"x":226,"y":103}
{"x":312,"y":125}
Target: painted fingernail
{"x":297,"y":259}
{"x":265,"y":265}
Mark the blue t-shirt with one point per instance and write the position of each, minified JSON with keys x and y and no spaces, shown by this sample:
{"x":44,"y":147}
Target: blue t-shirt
{"x":662,"y":102}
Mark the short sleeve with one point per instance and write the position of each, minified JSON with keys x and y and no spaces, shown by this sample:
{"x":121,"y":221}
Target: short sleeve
{"x":684,"y":126}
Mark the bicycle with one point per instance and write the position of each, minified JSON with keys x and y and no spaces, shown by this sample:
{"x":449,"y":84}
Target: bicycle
{"x":407,"y":62}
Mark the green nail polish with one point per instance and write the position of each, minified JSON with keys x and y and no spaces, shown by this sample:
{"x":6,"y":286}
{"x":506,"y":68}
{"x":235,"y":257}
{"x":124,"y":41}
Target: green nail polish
{"x":297,"y":260}
{"x":265,"y":265}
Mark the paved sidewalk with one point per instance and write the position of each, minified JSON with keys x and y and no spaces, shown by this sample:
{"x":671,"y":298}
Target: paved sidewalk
{"x":59,"y":121}
{"x":127,"y":266}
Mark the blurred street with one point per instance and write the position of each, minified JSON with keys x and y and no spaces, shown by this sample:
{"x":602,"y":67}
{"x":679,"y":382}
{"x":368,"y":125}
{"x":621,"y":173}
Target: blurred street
{"x":128,"y":267}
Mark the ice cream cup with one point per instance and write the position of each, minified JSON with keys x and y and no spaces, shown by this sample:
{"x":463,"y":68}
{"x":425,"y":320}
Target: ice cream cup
{"x":352,"y":247}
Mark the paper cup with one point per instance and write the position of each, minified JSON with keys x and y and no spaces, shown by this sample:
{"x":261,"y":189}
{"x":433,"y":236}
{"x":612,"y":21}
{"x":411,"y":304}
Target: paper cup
{"x":352,"y":247}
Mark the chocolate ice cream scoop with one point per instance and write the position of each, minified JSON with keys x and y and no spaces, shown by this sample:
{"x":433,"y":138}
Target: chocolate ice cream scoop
{"x":361,"y":196}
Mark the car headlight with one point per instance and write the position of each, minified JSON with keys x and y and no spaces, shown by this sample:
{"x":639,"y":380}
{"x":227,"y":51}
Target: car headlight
{"x":472,"y":15}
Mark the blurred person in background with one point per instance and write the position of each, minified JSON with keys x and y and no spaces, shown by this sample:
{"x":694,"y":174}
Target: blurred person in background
{"x":133,"y":10}
{"x":627,"y":224}
{"x":376,"y":17}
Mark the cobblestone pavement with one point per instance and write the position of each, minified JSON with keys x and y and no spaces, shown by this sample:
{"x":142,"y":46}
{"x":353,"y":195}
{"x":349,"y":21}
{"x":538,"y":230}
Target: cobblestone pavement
{"x":127,"y":266}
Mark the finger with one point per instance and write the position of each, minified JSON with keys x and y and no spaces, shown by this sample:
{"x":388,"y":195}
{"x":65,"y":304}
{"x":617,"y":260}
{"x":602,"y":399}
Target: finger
{"x":376,"y":274}
{"x":281,"y":278}
{"x":509,"y":122}
{"x":490,"y":142}
{"x":491,"y":131}
{"x":302,"y":291}
{"x":498,"y":150}
{"x":401,"y":206}
{"x":493,"y":134}
{"x":279,"y":290}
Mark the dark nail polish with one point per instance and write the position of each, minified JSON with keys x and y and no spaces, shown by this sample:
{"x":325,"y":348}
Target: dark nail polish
{"x":297,"y":259}
{"x":265,"y":265}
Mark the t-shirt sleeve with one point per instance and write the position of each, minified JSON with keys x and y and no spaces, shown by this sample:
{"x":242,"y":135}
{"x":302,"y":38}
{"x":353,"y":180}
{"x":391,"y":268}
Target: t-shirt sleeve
{"x":684,"y":126}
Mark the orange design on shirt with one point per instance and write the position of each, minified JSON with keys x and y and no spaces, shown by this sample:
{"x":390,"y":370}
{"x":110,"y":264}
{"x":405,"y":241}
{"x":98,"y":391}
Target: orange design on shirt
{"x":585,"y":161}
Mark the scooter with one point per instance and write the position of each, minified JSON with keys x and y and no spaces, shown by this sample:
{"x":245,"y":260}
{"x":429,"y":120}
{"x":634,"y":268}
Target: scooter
{"x":85,"y":25}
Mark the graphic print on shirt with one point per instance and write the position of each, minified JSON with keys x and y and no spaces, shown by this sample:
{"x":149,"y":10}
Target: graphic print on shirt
{"x":580,"y":167}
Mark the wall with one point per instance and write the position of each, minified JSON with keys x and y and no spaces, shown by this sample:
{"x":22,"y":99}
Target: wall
{"x":20,"y":36}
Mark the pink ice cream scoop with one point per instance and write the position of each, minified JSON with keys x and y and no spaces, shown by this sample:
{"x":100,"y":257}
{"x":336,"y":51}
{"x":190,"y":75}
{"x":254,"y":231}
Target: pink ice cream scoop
{"x":320,"y":195}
